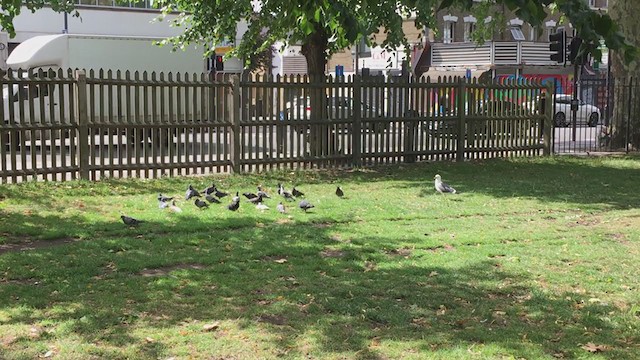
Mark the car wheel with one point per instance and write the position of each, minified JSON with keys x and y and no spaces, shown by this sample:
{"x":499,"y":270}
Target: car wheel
{"x":560,"y":120}
{"x":593,"y":119}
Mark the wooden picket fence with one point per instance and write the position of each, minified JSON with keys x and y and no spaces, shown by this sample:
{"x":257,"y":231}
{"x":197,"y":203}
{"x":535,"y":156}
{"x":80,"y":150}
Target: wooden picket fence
{"x":68,"y":125}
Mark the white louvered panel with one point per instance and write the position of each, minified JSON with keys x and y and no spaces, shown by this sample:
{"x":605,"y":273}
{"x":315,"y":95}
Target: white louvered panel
{"x":536,"y":54}
{"x":460,"y":54}
{"x":293,"y":65}
{"x":505,"y":53}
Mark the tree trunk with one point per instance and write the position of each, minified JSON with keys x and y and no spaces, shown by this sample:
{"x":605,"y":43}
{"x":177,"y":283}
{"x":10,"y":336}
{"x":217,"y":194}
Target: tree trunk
{"x":625,"y":125}
{"x":321,"y":137}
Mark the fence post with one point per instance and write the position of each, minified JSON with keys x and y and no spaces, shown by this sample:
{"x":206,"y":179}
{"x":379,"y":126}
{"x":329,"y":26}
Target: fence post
{"x":235,"y":106}
{"x":628,"y":125}
{"x":462,"y":129}
{"x":547,"y":124}
{"x":83,"y":126}
{"x":356,"y":133}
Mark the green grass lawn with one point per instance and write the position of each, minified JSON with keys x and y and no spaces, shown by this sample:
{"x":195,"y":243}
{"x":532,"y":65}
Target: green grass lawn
{"x":533,"y":259}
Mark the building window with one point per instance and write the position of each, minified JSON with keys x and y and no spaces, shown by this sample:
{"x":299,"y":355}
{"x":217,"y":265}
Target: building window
{"x":592,"y":3}
{"x":469,"y":28}
{"x":448,"y":35}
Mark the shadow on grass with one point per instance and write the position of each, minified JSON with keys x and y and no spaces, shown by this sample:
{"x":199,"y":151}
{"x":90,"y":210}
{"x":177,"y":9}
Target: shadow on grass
{"x":281,"y":278}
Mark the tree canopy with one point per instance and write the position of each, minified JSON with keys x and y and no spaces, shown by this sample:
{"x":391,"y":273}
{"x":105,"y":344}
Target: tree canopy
{"x":323,"y":27}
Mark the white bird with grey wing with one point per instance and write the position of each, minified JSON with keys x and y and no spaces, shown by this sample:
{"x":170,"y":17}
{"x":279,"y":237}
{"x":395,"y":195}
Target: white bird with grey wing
{"x":442,"y":187}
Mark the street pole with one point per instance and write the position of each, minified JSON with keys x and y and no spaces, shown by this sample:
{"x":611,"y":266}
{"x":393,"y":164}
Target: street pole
{"x":574,"y":101}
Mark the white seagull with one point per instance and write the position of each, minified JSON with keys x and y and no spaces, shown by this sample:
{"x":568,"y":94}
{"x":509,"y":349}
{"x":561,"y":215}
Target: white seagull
{"x":442,"y":187}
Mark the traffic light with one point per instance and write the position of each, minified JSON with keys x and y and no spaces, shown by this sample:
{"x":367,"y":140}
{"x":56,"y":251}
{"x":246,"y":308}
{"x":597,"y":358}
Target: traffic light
{"x":219,"y":63}
{"x":558,"y":44}
{"x":574,"y":48}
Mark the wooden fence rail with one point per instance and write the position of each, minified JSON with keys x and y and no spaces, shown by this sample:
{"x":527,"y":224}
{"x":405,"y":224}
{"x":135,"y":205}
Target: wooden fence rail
{"x":64,"y":125}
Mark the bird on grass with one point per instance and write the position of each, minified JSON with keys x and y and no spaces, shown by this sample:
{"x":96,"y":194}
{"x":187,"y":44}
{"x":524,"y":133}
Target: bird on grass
{"x":212,"y":199}
{"x":173,"y":207}
{"x":261,"y":206}
{"x":236,"y":198}
{"x":256,"y":200}
{"x":442,"y":187}
{"x":262,"y":193}
{"x":128,"y":220}
{"x":234,"y":206}
{"x":339,"y":192}
{"x":249,"y":195}
{"x":297,"y":193}
{"x":209,"y":190}
{"x":219,"y":194}
{"x":281,"y":208}
{"x":191,"y":192}
{"x":284,"y":193}
{"x":201,"y":204}
{"x":305,"y":205}
{"x":163,"y":198}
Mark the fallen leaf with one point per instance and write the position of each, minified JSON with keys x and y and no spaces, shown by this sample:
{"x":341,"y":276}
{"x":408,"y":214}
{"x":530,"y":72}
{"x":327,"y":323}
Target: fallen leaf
{"x":593,"y":348}
{"x":212,"y":326}
{"x":149,"y":339}
{"x":433,"y":273}
{"x":280,"y":261}
{"x":48,"y":354}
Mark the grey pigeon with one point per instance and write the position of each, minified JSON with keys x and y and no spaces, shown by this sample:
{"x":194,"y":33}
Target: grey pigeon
{"x":261,"y":206}
{"x":191,"y":192}
{"x":219,"y":194}
{"x":295,"y":192}
{"x":262,"y":193}
{"x":235,"y":205}
{"x":212,"y":199}
{"x":249,"y":195}
{"x":281,"y":208}
{"x":163,"y":204}
{"x":209,"y":190}
{"x":201,"y":204}
{"x":285,"y":194}
{"x":442,"y":187}
{"x":128,"y":220}
{"x":236,"y":198}
{"x":173,"y":207}
{"x":339,"y":192}
{"x":305,"y":205}
{"x":163,"y":198}
{"x":256,"y":200}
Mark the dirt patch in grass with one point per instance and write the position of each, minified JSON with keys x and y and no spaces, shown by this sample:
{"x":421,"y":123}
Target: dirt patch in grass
{"x":404,"y":252}
{"x":272,"y":319}
{"x":332,"y":253}
{"x":167,"y":269}
{"x":29,"y":244}
{"x":446,"y":247}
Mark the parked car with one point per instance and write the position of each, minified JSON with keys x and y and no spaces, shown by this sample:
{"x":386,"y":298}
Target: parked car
{"x":586,"y":114}
{"x":338,"y":108}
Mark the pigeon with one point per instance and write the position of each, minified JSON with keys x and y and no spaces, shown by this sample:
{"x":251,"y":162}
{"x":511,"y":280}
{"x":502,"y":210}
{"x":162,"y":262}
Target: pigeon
{"x":262,"y":193}
{"x":281,"y":208}
{"x":191,"y":192}
{"x":174,"y":208}
{"x":210,"y":190}
{"x":287,"y":195}
{"x":236,"y":198}
{"x":128,"y":220}
{"x":442,"y":187}
{"x":339,"y":192}
{"x":256,"y":200}
{"x":261,"y":206}
{"x":162,"y":204}
{"x":219,"y":194}
{"x":295,"y":192}
{"x":305,"y":205}
{"x":212,"y":199}
{"x":235,"y":205}
{"x":163,"y":198}
{"x":249,"y":195}
{"x":201,"y":204}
